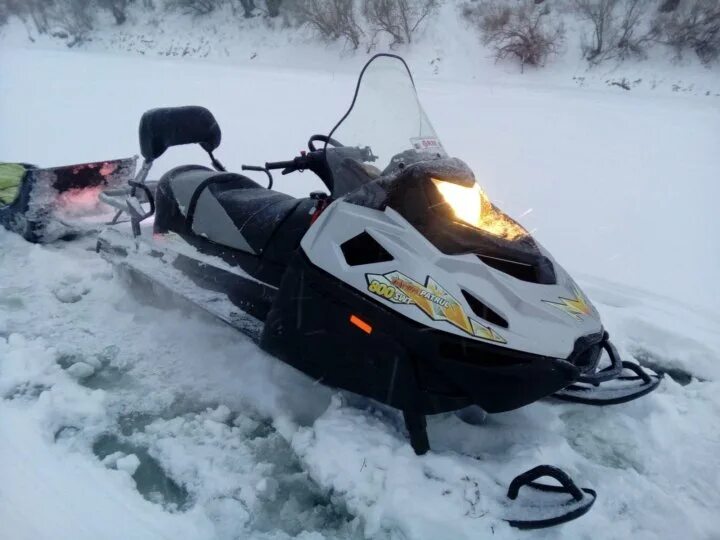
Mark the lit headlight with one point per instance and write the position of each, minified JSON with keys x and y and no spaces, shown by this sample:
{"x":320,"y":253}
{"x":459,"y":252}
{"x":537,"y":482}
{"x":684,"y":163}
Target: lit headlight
{"x":471,"y":206}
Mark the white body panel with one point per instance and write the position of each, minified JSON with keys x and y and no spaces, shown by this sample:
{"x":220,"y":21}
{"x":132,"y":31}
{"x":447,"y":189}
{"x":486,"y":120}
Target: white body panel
{"x":540,"y":321}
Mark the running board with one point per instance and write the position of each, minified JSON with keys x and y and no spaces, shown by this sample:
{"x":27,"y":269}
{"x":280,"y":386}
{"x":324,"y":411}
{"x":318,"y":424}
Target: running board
{"x":201,"y":281}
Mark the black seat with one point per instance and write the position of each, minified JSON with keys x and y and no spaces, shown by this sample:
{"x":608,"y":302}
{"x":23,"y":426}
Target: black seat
{"x":231,"y":210}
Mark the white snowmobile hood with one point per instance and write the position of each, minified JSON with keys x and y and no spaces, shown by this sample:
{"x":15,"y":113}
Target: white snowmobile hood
{"x":426,"y":285}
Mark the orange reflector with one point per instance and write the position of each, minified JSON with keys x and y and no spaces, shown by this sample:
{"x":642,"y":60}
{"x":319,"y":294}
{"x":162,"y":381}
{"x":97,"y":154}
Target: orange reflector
{"x":362,"y":325}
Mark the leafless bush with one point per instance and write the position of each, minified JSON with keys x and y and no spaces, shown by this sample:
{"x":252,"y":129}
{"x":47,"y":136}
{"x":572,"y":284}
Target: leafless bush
{"x":273,"y":7}
{"x":75,"y":18}
{"x":488,"y":16}
{"x":195,"y":7}
{"x":599,"y":14}
{"x":68,"y":19}
{"x":37,"y":11}
{"x":668,"y":5}
{"x":618,"y":28}
{"x":117,"y":7}
{"x":399,"y":18}
{"x":634,"y":34}
{"x":5,"y":12}
{"x":331,"y":19}
{"x":521,"y":31}
{"x":694,"y":25}
{"x":248,"y":8}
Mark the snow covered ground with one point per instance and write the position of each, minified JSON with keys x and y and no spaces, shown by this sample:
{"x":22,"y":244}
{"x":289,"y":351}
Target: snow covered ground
{"x":124,"y":417}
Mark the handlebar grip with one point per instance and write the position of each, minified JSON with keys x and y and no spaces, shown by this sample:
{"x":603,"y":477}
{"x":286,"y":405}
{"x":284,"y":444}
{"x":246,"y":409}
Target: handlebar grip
{"x":280,"y":164}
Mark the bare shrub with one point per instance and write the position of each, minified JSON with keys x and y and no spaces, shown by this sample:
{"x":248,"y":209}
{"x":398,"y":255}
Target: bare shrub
{"x":599,"y":14}
{"x":331,"y":19}
{"x":5,"y":12}
{"x":488,"y":16}
{"x":634,"y":34}
{"x":521,"y":31}
{"x":398,"y":18}
{"x":194,"y":7}
{"x":75,"y":18}
{"x":618,"y":28}
{"x":68,"y":19}
{"x":37,"y":11}
{"x":694,"y":25}
{"x":668,"y":5}
{"x":248,"y":8}
{"x":117,"y":7}
{"x":273,"y":7}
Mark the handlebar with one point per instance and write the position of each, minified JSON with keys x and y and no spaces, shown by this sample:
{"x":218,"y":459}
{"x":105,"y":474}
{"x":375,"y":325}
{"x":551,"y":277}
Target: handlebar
{"x":260,"y":169}
{"x":282,"y":164}
{"x":309,"y":160}
{"x":312,"y":160}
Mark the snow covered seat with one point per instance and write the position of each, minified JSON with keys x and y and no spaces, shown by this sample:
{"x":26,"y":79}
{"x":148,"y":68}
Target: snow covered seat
{"x":229,"y":209}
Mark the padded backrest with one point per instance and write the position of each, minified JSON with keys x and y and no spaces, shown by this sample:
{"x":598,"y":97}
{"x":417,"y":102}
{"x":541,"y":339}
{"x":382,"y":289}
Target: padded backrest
{"x":172,"y":126}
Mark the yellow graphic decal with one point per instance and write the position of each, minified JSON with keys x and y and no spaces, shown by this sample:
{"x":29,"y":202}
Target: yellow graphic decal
{"x":431,"y":298}
{"x":575,"y":307}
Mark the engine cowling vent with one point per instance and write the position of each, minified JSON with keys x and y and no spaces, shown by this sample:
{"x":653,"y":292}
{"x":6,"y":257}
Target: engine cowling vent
{"x":483,"y":311}
{"x":364,"y":249}
{"x":541,"y":272}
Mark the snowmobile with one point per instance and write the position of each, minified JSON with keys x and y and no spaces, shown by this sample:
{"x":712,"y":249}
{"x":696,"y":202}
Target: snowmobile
{"x":402,"y":282}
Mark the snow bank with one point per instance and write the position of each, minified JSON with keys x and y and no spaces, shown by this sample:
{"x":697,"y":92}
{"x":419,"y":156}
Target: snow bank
{"x":444,"y":47}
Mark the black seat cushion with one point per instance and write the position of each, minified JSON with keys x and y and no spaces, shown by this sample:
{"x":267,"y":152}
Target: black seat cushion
{"x":256,"y":212}
{"x":234,"y":211}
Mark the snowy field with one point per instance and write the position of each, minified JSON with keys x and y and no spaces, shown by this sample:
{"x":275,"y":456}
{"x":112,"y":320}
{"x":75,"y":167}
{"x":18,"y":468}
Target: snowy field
{"x":124,"y":417}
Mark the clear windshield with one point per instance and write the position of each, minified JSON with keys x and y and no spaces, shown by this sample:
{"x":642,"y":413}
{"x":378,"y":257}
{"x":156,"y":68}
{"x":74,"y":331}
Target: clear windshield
{"x":386,"y":127}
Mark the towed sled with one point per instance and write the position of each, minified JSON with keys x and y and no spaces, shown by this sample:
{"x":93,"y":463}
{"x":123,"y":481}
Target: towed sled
{"x":402,"y":283}
{"x":44,"y":205}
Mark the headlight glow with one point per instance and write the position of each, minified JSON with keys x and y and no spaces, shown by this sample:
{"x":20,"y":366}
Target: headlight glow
{"x":466,"y":202}
{"x":472,"y":206}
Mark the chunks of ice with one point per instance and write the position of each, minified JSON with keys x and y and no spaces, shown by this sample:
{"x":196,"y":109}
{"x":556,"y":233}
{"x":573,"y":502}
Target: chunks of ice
{"x":70,"y":294}
{"x":129,"y":464}
{"x":81,"y":370}
{"x":221,"y":414}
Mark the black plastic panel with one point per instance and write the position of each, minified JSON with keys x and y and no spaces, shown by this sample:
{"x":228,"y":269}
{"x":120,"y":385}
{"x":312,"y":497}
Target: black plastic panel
{"x":364,"y":249}
{"x":484,"y":312}
{"x":539,"y":270}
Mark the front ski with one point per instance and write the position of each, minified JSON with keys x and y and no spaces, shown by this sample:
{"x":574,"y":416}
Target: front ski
{"x":610,"y":386}
{"x":535,"y":505}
